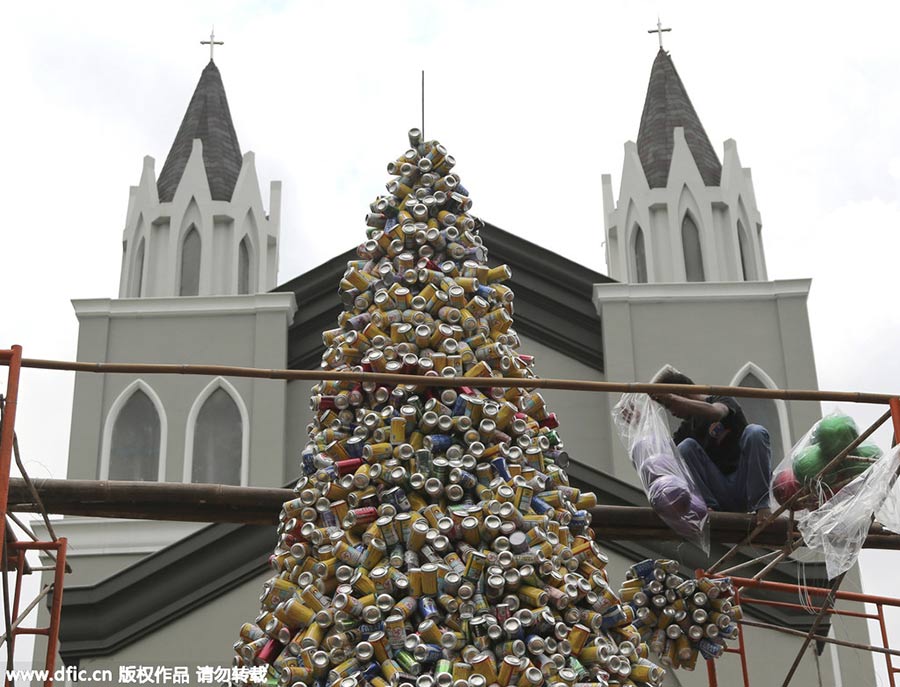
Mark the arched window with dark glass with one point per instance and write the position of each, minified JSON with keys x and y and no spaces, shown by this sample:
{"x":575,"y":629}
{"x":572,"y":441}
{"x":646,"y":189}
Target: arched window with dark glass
{"x":244,"y":266}
{"x":746,"y":253}
{"x":640,"y":256}
{"x":190,"y":263}
{"x":139,"y":269}
{"x":135,"y":442}
{"x":218,"y":441}
{"x":693,"y":253}
{"x":763,"y":411}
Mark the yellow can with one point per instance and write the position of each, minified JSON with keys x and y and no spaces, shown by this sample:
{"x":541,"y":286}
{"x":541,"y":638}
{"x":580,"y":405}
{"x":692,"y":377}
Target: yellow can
{"x":429,"y":579}
{"x":483,"y":664}
{"x":533,"y":596}
{"x":276,"y":591}
{"x":390,"y":668}
{"x":414,"y":575}
{"x":398,"y":431}
{"x":379,"y":643}
{"x":461,"y":670}
{"x":509,"y":666}
{"x":532,"y":677}
{"x":577,"y":637}
{"x":313,"y":635}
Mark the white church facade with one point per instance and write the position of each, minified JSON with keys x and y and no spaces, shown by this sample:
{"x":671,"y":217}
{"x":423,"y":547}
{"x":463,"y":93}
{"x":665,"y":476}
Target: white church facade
{"x":687,"y":285}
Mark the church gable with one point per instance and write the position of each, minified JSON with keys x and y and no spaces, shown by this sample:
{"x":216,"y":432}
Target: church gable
{"x":553,"y":301}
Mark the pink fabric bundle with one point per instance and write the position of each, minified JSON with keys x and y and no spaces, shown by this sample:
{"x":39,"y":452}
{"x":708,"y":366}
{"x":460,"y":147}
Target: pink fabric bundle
{"x":668,"y":483}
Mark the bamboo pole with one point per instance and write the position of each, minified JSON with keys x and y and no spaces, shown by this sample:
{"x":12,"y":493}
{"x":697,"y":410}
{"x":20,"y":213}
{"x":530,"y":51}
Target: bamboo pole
{"x":784,"y":553}
{"x":440,"y":381}
{"x":753,"y":561}
{"x":255,"y":505}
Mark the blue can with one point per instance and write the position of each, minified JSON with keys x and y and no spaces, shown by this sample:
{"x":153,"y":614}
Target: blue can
{"x":485,"y":292}
{"x":466,"y":479}
{"x":308,"y":458}
{"x":328,"y":518}
{"x":427,"y":607}
{"x":501,"y":468}
{"x":709,"y":649}
{"x":579,"y":521}
{"x":331,"y":472}
{"x":439,"y":443}
{"x":540,"y":506}
{"x":428,"y":653}
{"x":354,"y":446}
{"x":371,"y":670}
{"x":459,"y":406}
{"x":368,"y":629}
{"x":397,"y":498}
{"x":644,"y":569}
{"x":613,"y":618}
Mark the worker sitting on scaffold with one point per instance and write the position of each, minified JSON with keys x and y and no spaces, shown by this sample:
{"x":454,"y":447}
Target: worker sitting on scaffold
{"x":729,"y":458}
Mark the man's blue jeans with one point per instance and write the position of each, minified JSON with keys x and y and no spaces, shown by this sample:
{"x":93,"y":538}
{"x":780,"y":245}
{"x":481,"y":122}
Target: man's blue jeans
{"x":745,"y":489}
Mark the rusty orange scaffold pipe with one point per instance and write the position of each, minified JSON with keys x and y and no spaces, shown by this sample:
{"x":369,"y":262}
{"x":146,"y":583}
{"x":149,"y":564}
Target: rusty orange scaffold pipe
{"x":12,"y":358}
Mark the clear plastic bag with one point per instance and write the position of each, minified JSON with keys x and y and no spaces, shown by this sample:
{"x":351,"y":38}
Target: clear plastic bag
{"x":889,"y":512}
{"x":838,"y":528}
{"x":827,"y":438}
{"x":667,"y":482}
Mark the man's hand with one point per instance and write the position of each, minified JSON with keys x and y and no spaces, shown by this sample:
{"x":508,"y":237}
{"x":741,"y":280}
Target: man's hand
{"x":630,"y":414}
{"x":680,"y":406}
{"x":662,"y":399}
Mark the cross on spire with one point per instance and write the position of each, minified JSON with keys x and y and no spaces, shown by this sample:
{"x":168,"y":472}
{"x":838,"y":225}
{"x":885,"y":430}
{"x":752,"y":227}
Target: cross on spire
{"x":212,"y":42}
{"x":659,"y":30}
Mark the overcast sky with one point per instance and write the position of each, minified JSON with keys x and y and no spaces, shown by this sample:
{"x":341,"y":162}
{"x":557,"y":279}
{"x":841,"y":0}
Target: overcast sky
{"x":534,"y":100}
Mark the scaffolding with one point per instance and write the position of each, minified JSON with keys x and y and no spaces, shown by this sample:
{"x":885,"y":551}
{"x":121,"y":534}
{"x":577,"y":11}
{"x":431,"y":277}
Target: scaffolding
{"x":222,"y":503}
{"x":826,"y":607}
{"x":14,"y":551}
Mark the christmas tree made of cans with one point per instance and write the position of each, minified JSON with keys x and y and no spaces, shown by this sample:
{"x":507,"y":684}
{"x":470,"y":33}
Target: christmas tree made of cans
{"x":434,"y":539}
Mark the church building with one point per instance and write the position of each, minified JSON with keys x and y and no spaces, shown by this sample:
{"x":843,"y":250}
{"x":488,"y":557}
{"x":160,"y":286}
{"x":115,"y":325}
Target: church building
{"x":686,"y":285}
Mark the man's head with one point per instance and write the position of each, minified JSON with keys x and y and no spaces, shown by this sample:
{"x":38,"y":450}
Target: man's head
{"x":669,"y":375}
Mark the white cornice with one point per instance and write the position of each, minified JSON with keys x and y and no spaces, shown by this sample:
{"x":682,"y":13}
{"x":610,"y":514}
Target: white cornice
{"x":108,"y":536}
{"x":701,"y":291}
{"x":191,"y":306}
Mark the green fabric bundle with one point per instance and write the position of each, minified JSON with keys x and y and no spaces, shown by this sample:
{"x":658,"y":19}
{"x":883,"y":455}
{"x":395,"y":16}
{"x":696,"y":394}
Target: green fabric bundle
{"x":834,"y":433}
{"x":808,"y":462}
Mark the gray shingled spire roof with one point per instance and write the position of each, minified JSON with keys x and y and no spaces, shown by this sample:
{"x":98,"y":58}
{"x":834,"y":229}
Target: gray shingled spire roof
{"x":209,"y":119}
{"x":667,"y":105}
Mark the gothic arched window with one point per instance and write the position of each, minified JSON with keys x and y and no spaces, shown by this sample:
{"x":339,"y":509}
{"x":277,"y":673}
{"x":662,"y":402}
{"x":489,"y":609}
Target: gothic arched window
{"x":190,"y":263}
{"x":640,"y":256}
{"x":135,"y":442}
{"x":746,"y":253}
{"x":218,"y":440}
{"x":770,"y":413}
{"x":693,"y":254}
{"x":243,"y":285}
{"x":139,"y":269}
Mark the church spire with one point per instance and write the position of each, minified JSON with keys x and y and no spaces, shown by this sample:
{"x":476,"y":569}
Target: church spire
{"x":209,"y":119}
{"x":681,"y":215}
{"x":667,"y":106}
